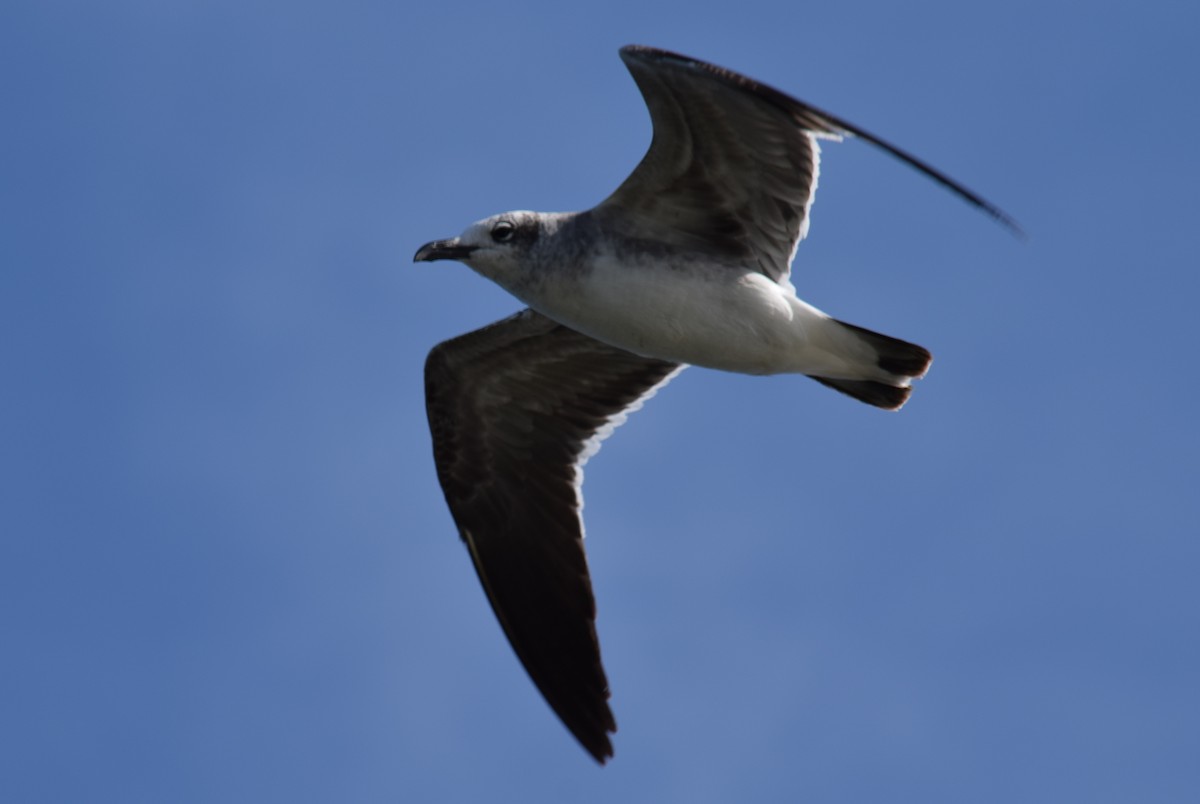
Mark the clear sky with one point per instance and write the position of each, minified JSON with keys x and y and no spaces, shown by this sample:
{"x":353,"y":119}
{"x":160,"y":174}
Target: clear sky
{"x":226,"y":569}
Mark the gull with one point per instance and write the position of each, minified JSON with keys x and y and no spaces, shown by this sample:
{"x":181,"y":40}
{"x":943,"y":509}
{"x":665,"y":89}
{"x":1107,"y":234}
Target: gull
{"x":686,"y":263}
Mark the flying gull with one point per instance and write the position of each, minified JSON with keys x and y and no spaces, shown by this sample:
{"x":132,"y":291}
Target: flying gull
{"x":687,"y":262}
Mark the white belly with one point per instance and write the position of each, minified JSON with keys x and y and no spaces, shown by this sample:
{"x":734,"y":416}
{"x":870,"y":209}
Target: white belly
{"x":719,"y":318}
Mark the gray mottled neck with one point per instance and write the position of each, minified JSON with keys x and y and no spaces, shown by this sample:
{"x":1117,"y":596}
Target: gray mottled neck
{"x":567,"y":242}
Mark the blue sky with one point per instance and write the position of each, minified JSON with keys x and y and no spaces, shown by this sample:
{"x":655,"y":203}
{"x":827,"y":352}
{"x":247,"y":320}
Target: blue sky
{"x":227,"y":572}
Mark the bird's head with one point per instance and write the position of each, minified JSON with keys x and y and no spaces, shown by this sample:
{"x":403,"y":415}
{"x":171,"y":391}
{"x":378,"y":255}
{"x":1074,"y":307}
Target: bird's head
{"x":496,"y":247}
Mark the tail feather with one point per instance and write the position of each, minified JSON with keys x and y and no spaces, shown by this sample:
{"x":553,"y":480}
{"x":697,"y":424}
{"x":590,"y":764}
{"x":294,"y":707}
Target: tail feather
{"x":881,"y":395}
{"x":898,"y":363}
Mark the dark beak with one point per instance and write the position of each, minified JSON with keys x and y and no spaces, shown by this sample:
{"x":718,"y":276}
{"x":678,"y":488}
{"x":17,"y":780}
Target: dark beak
{"x":442,"y":250}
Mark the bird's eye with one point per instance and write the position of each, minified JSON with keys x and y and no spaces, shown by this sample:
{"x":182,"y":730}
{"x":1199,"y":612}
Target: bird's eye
{"x":503,"y":231}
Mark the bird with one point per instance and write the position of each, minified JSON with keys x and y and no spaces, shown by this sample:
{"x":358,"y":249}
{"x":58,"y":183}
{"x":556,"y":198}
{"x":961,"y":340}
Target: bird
{"x":687,"y":263}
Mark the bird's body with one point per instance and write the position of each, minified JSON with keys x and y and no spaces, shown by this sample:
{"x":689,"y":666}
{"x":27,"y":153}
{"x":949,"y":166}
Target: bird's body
{"x":713,"y":316}
{"x":678,"y":305}
{"x":687,"y":262}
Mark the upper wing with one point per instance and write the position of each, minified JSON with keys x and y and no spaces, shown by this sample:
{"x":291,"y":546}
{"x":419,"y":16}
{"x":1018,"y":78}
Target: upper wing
{"x":733,"y":165}
{"x":515,"y":409}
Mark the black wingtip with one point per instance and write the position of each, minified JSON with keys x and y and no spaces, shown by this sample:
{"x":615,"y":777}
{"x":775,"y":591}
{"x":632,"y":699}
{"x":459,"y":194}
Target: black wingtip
{"x":1007,"y":222}
{"x":600,"y":749}
{"x":971,"y":197}
{"x":592,"y":729}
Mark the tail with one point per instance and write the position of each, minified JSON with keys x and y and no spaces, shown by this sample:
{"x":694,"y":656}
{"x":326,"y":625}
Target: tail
{"x":898,"y":363}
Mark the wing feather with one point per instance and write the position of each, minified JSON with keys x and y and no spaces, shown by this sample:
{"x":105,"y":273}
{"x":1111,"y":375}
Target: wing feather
{"x":513,"y":408}
{"x":732,"y":168}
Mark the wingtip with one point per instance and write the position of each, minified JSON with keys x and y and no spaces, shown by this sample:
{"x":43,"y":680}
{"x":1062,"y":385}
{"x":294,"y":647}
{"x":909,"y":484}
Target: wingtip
{"x":593,"y":731}
{"x":1014,"y":228}
{"x":602,"y":751}
{"x":995,"y":213}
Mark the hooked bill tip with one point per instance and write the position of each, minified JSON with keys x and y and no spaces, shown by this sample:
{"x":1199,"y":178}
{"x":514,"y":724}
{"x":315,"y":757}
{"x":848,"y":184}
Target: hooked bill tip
{"x":442,"y":250}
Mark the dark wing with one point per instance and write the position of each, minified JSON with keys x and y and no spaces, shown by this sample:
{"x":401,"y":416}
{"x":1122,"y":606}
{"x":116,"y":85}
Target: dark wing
{"x":515,"y":409}
{"x":732,"y":168}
